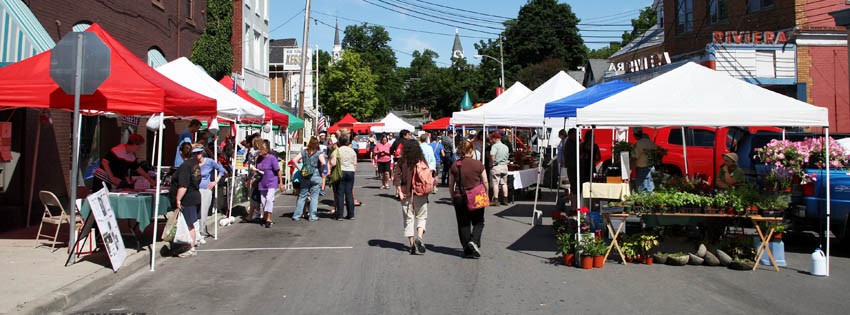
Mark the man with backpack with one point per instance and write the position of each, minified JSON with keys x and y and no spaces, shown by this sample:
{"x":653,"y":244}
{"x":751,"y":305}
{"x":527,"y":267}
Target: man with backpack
{"x":448,"y":159}
{"x":414,"y":182}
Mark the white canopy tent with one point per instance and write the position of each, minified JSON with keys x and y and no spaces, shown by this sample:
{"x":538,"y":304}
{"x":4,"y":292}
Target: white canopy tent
{"x":476,"y":116}
{"x":392,"y":124}
{"x":230,"y":105}
{"x":528,"y":112}
{"x":694,"y":95}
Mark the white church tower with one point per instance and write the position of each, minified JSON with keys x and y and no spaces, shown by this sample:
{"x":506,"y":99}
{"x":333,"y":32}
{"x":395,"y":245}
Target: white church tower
{"x":337,"y":50}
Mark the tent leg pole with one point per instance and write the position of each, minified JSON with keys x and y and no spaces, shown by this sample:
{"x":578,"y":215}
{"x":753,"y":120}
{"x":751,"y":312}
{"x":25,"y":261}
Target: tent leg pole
{"x":215,"y":192}
{"x":685,"y":151}
{"x":156,"y":194}
{"x":828,"y":197}
{"x":34,"y":162}
{"x":578,"y":190}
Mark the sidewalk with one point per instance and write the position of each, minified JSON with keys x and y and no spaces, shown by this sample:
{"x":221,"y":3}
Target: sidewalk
{"x":36,"y":280}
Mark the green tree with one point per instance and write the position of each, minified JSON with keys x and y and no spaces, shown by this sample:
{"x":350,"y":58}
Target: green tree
{"x":348,"y":86}
{"x":371,"y":42}
{"x":604,"y":52}
{"x":640,"y":25}
{"x":535,"y":75}
{"x":543,"y":29}
{"x":489,"y":72}
{"x":213,"y":50}
{"x":324,"y":61}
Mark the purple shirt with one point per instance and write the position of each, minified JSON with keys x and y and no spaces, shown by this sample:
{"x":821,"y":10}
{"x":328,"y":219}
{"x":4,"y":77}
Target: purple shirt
{"x":269,"y":165}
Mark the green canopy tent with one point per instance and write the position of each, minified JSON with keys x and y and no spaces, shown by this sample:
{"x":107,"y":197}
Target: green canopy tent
{"x":295,"y":123}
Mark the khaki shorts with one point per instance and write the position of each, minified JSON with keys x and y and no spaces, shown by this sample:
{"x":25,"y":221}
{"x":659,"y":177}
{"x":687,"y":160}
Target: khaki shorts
{"x":499,"y":174}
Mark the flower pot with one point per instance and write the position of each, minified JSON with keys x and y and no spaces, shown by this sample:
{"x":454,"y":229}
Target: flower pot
{"x":569,"y":259}
{"x":777,"y":236}
{"x":586,"y":262}
{"x":598,"y":261}
{"x":649,"y":260}
{"x":808,"y":189}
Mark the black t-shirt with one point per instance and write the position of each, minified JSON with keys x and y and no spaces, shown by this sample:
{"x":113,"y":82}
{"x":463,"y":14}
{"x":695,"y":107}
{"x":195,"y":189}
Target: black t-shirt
{"x":189,"y":176}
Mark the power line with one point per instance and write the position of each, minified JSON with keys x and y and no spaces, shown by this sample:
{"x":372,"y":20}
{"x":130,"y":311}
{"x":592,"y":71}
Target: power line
{"x":429,"y":20}
{"x":427,"y":14}
{"x":393,"y":49}
{"x":451,"y":13}
{"x":398,"y":28}
{"x":608,"y":16}
{"x":467,"y":11}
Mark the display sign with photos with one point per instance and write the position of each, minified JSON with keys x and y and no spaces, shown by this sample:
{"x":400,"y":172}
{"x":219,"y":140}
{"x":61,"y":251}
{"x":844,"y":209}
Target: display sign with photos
{"x":108,"y":226}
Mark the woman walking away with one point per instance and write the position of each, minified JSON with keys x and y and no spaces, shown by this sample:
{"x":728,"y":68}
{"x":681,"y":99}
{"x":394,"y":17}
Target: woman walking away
{"x":414,"y":202}
{"x":310,"y":161}
{"x":383,"y":157}
{"x":467,"y":175}
{"x":208,"y":184}
{"x":187,"y":197}
{"x":347,"y":158}
{"x":270,"y":181}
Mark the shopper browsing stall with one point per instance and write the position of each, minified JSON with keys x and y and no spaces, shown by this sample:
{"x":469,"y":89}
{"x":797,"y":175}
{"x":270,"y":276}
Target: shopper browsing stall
{"x":730,"y":174}
{"x":499,"y":155}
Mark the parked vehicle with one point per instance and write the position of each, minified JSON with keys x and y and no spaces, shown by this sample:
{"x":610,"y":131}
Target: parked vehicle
{"x":808,"y":208}
{"x":361,"y":146}
{"x":705,"y":147}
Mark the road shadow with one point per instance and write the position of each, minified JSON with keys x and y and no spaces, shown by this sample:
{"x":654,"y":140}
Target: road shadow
{"x":539,"y":238}
{"x":451,"y":251}
{"x":371,"y":187}
{"x":388,"y":244}
{"x":387,"y":196}
{"x":444,"y":201}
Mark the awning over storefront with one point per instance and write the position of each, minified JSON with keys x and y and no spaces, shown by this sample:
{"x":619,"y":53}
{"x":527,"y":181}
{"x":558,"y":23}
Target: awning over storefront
{"x":21,"y":35}
{"x":277,"y":118}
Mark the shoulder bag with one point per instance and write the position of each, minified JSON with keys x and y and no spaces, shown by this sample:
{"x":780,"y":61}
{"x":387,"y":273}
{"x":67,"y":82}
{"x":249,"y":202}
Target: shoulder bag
{"x":475,"y":198}
{"x":336,"y":172}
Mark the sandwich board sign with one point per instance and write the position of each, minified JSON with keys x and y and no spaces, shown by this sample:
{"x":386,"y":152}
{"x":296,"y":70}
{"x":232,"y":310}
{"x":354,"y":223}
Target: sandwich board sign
{"x":107,"y":224}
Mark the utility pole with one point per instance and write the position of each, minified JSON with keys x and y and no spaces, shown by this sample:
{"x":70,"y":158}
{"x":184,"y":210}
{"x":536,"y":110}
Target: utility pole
{"x":316,"y":84}
{"x":303,"y":79}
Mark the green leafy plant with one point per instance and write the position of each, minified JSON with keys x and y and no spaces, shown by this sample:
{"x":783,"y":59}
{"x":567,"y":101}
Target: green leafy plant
{"x":647,"y":242}
{"x":655,"y":156}
{"x":621,"y":146}
{"x":566,"y":243}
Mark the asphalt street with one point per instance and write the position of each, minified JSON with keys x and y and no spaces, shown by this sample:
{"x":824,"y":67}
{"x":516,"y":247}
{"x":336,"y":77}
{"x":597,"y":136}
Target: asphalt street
{"x":363,"y":267}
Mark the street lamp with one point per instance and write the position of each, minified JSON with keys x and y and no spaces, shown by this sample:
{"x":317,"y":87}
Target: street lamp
{"x":501,"y":67}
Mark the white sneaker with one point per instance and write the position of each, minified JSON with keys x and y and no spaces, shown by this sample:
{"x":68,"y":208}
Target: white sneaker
{"x":202,"y":241}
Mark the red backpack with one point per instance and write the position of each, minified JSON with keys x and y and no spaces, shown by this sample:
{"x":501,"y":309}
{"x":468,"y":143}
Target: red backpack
{"x":422,"y":182}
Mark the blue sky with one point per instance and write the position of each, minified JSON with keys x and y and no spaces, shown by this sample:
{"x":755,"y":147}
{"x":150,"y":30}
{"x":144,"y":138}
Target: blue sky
{"x":287,"y":21}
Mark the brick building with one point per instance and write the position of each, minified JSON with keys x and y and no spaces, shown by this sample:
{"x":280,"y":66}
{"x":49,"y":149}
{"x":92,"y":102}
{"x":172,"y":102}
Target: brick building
{"x":154,"y":30}
{"x":792,"y":47}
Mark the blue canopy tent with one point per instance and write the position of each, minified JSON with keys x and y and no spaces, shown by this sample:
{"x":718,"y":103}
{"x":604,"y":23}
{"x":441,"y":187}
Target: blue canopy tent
{"x":566,"y":108}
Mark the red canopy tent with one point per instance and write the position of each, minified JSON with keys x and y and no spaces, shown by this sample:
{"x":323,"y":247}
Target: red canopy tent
{"x":439,"y":124}
{"x":133,"y":87}
{"x":276,"y":117}
{"x":346,"y":122}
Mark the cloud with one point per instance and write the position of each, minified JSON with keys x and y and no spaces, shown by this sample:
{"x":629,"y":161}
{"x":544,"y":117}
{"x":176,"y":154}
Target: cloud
{"x":411,"y":43}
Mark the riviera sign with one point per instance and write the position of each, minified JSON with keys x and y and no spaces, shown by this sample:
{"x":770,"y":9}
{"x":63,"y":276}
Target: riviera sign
{"x":641,"y":64}
{"x":749,"y":37}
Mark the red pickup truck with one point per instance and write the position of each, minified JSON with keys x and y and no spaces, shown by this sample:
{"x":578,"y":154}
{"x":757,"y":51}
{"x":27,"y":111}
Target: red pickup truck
{"x":705,"y":145}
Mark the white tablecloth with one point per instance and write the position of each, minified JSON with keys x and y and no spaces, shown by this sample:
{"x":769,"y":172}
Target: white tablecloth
{"x":524,"y":178}
{"x":605,"y":191}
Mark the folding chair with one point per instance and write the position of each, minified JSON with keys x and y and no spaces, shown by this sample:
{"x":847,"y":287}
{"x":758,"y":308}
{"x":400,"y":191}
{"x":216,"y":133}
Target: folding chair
{"x":49,"y":200}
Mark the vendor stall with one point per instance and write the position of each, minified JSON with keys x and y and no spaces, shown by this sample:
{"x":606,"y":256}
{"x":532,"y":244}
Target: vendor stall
{"x":698,"y":96}
{"x":439,"y":124}
{"x":133,"y":88}
{"x":392,"y":124}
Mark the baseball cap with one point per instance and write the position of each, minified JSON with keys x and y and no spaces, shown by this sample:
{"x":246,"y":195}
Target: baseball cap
{"x":496,"y":135}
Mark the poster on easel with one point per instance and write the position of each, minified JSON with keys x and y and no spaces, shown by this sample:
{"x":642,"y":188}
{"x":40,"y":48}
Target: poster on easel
{"x":107,"y":224}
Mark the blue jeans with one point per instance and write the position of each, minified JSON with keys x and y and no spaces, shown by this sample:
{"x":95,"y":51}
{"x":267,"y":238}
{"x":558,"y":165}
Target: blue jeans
{"x":345,"y":195}
{"x":312,"y":187}
{"x":643,"y":179}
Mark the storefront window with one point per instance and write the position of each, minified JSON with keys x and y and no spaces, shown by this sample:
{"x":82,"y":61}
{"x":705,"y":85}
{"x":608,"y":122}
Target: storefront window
{"x":684,"y":16}
{"x":717,"y":10}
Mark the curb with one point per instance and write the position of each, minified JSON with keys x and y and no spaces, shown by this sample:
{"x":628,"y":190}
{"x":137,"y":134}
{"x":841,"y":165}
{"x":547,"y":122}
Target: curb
{"x":86,"y":287}
{"x":96,"y":282}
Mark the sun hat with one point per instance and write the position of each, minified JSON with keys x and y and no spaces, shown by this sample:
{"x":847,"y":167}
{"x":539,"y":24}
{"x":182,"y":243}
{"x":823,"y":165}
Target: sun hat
{"x":732,"y":156}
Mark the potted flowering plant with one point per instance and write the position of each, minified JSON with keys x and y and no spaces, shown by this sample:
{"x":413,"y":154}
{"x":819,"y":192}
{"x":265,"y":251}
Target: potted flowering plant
{"x":647,"y":242}
{"x":566,"y":247}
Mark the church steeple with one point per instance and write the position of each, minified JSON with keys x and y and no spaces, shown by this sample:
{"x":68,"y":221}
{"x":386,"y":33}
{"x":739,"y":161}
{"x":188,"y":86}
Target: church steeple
{"x":457,"y":49}
{"x":337,"y":50}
